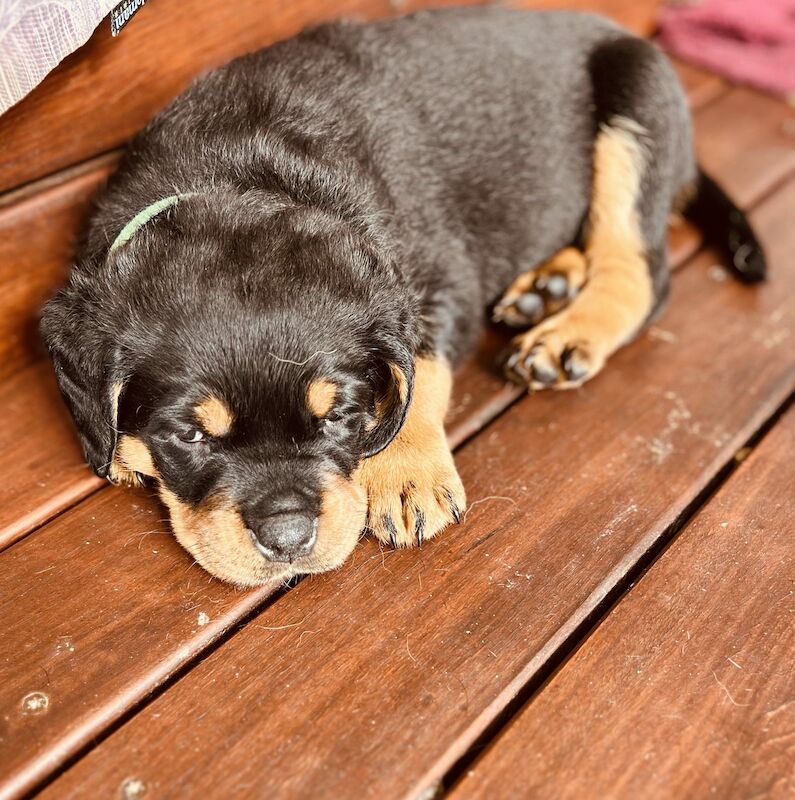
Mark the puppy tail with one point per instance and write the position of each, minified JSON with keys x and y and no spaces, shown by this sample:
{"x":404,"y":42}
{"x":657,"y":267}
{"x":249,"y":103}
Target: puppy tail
{"x":725,"y":226}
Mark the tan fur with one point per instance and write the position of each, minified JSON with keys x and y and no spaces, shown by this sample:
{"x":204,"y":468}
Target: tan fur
{"x":321,"y":396}
{"x":618,"y":296}
{"x":214,"y":416}
{"x":131,"y":460}
{"x":115,"y":394}
{"x":415,"y":475}
{"x":127,"y":451}
{"x":400,"y":381}
{"x":216,"y":536}
{"x":382,"y":404}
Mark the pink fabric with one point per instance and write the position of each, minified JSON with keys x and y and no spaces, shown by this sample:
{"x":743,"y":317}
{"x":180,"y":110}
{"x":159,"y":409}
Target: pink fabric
{"x":748,"y":41}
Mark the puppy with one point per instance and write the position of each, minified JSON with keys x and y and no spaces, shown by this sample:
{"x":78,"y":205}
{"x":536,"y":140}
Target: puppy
{"x":270,"y":297}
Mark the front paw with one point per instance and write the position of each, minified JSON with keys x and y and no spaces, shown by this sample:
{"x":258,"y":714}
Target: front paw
{"x":413,"y":492}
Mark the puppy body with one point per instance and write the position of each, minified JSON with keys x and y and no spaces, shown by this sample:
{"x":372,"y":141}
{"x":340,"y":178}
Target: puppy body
{"x":347,"y":204}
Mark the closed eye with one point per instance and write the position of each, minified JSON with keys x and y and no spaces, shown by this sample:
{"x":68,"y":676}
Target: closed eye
{"x":330,"y":422}
{"x":191,"y":436}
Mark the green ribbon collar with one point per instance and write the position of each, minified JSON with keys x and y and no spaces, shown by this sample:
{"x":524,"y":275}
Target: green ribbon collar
{"x":142,"y":217}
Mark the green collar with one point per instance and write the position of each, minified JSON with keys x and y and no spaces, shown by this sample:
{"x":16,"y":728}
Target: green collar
{"x":142,"y":217}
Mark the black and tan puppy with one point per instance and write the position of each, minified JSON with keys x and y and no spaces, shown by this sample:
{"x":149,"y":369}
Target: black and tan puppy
{"x":291,"y":257}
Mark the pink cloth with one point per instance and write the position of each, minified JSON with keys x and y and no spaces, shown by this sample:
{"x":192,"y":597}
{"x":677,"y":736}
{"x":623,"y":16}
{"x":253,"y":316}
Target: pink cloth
{"x":748,"y":41}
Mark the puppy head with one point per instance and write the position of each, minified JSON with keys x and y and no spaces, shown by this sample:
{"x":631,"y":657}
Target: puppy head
{"x":245,"y":373}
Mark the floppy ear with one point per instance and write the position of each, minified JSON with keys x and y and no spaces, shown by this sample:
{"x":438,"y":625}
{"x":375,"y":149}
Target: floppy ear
{"x":89,"y":375}
{"x":394,"y":399}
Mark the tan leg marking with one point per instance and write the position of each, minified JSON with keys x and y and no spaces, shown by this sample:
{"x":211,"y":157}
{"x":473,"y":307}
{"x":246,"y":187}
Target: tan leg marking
{"x":540,"y":293}
{"x":571,"y":347}
{"x":214,"y":416}
{"x":413,"y":488}
{"x":216,"y":536}
{"x":131,"y":460}
{"x":320,"y":397}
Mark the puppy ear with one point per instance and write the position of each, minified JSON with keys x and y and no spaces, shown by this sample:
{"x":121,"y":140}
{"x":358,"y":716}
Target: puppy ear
{"x":392,"y":404}
{"x":89,"y":375}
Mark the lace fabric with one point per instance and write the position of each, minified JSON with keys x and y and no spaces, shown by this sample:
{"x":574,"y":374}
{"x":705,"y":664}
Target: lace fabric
{"x":36,"y":35}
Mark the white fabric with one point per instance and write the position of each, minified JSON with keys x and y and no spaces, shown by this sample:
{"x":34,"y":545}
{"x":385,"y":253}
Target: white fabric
{"x":35,"y":35}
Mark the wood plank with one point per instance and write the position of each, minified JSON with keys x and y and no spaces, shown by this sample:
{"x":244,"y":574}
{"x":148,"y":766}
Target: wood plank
{"x":471,"y":408}
{"x":748,"y":139}
{"x":110,"y":87}
{"x":376,"y":678}
{"x":480,"y":395}
{"x":36,"y":241}
{"x":478,"y":399}
{"x":40,"y":458}
{"x":61,"y":644}
{"x":701,"y":87}
{"x":696,"y":660}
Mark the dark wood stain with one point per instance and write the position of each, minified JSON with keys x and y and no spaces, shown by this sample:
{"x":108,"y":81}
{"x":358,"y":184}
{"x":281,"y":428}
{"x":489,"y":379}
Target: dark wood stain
{"x":687,"y":689}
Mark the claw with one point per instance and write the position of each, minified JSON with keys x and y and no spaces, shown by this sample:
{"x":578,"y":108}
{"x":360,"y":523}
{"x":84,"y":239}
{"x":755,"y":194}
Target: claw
{"x":454,"y":509}
{"x":419,"y":527}
{"x":391,"y":529}
{"x":515,"y":369}
{"x":544,"y":373}
{"x":573,"y":366}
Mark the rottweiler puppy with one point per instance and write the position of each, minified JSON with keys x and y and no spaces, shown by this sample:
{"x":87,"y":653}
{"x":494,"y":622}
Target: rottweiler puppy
{"x":292,"y":256}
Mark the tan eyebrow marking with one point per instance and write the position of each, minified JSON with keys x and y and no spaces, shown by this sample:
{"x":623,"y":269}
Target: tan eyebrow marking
{"x":321,"y":396}
{"x":131,"y":460}
{"x":214,"y":416}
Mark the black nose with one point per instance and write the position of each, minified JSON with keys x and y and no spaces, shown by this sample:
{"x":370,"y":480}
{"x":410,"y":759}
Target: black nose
{"x":286,"y":536}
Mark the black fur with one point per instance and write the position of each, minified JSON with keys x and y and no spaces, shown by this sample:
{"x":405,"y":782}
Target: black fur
{"x":363,"y":192}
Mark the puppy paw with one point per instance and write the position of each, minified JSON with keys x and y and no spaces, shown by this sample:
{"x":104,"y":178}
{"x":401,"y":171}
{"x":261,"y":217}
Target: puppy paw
{"x":542,"y":292}
{"x":557,"y":354}
{"x":413,"y":492}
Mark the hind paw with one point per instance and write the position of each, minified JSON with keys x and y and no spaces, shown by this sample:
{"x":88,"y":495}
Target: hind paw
{"x":542,"y":292}
{"x":555,"y":356}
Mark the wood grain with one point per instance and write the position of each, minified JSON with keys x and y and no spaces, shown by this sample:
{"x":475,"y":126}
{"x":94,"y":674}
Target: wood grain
{"x":36,"y":241}
{"x":40,"y":458}
{"x":686,"y":690}
{"x":49,"y":475}
{"x":98,"y":609}
{"x":373,"y":680}
{"x":748,"y":139}
{"x":109,"y":88}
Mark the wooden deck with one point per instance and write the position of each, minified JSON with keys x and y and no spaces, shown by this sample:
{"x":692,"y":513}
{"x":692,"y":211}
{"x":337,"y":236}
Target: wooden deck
{"x":614,"y":618}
